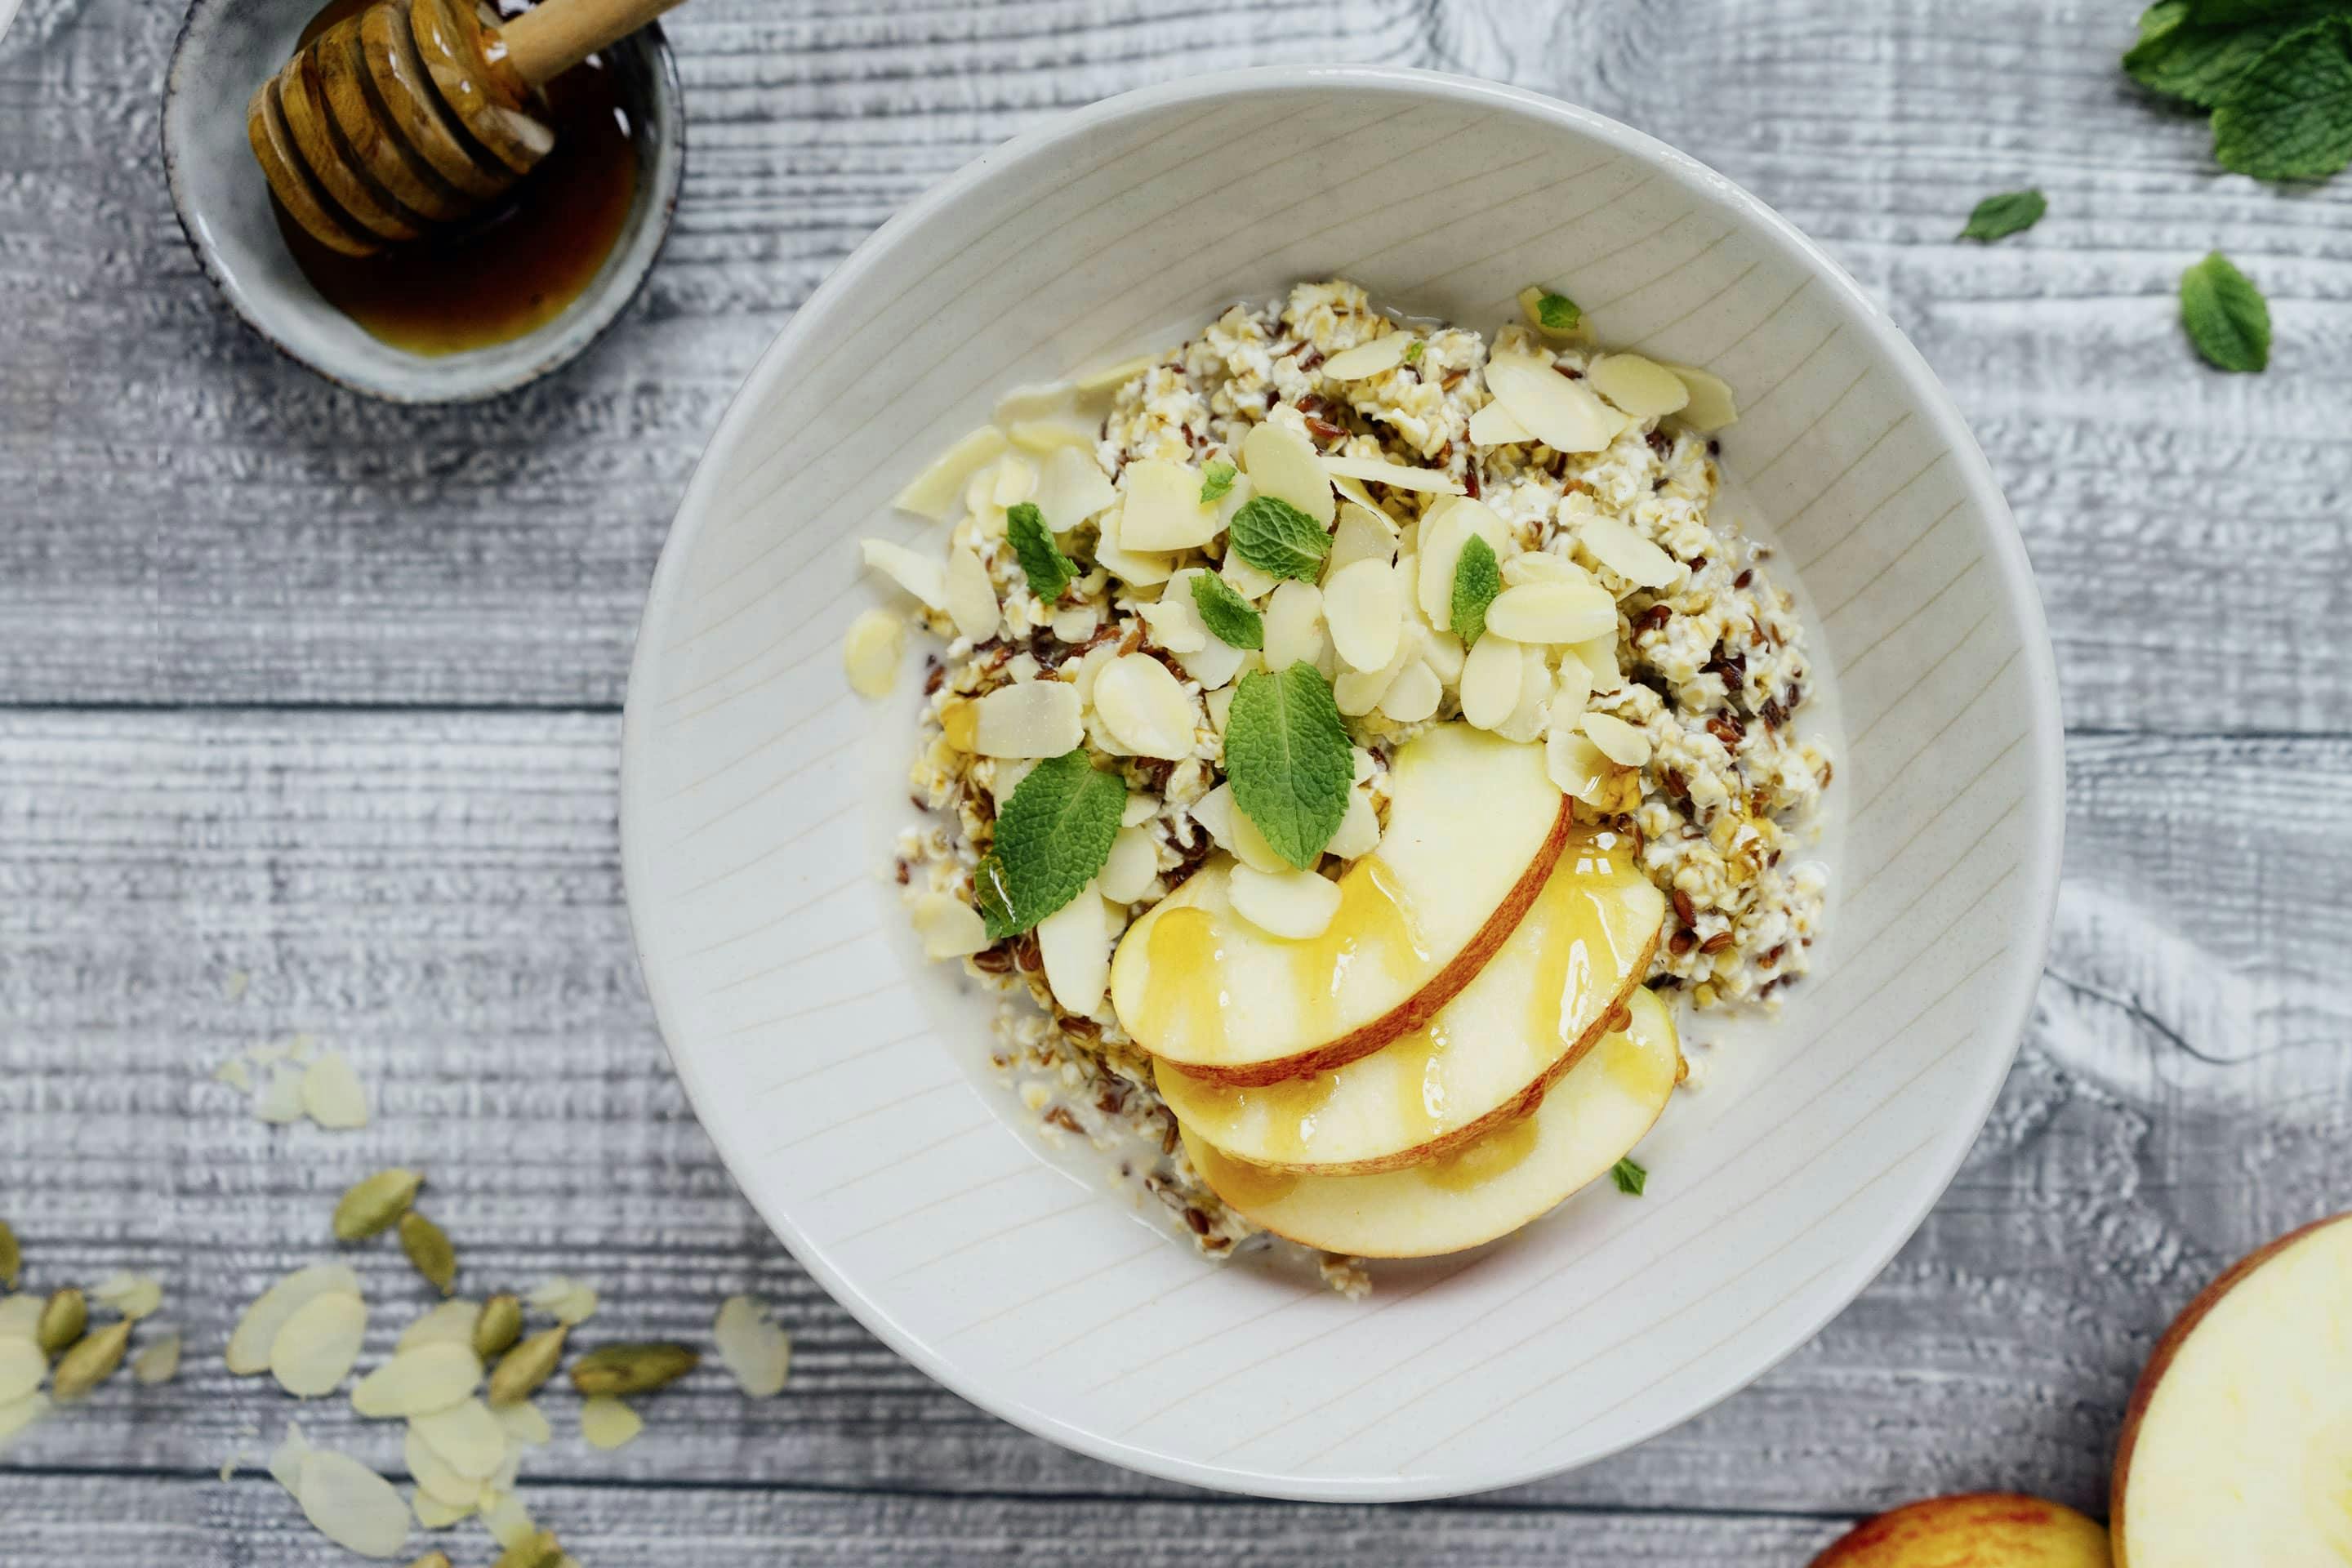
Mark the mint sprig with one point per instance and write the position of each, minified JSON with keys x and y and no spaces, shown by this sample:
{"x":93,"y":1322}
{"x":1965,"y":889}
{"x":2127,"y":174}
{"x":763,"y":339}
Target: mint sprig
{"x":1558,"y":312}
{"x":2289,"y":117}
{"x":1289,"y":760}
{"x":1217,"y":482}
{"x":1279,"y":540}
{"x":2011,"y":212}
{"x":1477,"y":578}
{"x":2197,"y":52}
{"x":2226,"y":316}
{"x":1042,"y":561}
{"x":1630,"y":1177}
{"x":1229,"y":617}
{"x":1051,"y":837}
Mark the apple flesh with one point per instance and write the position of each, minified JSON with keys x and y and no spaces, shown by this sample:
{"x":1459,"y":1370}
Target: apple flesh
{"x":1487,"y":1188}
{"x":1978,"y":1530}
{"x":1475,"y":826}
{"x":1489,"y":1055}
{"x":2237,"y":1445}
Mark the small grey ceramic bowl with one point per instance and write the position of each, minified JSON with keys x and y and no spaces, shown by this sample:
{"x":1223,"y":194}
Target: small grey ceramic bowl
{"x":227,"y":47}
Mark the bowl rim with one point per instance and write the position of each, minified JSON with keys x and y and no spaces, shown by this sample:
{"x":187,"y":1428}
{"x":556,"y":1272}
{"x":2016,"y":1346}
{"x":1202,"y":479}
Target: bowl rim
{"x":2015,"y":987}
{"x":659,"y":196}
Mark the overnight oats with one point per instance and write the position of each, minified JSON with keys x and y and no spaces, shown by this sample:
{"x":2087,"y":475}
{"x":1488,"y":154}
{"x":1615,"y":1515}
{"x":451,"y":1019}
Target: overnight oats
{"x":1356,"y":742}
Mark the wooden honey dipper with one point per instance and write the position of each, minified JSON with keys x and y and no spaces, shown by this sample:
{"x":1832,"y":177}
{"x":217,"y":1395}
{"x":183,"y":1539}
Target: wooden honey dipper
{"x":416,"y":114}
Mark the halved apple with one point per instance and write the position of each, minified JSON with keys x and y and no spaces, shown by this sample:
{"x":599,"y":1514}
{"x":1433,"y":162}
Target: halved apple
{"x":1475,"y":825}
{"x":1486,"y":1188}
{"x":1985,"y":1530}
{"x":1488,"y":1055}
{"x":2237,"y":1445}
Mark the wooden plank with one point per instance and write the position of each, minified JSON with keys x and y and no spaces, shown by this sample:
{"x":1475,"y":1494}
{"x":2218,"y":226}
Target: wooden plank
{"x":438,"y":895}
{"x":155,"y":1522}
{"x":210,"y":525}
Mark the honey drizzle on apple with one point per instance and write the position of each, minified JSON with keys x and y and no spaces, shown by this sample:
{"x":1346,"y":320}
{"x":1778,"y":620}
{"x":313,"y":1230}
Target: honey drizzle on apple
{"x":1482,"y":1160}
{"x":1246,"y":1186}
{"x":1183,"y":983}
{"x":1374,"y":922}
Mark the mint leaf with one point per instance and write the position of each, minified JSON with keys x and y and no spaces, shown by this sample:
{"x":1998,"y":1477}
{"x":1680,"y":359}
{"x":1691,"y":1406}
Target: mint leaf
{"x":1052,"y":836}
{"x":2289,"y":117}
{"x":2227,"y":318}
{"x":2009,"y":213}
{"x":1558,"y":312}
{"x":1477,"y":578}
{"x":1042,"y":561}
{"x":1631,"y":1178}
{"x":1227,"y":615}
{"x":1289,"y":760}
{"x":2197,"y":51}
{"x":1413,"y":351}
{"x":1216,"y":481}
{"x":1279,"y":540}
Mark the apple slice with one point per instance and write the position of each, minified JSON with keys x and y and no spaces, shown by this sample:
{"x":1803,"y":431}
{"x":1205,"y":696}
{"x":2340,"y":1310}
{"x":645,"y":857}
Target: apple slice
{"x":2237,"y":1445}
{"x":1487,"y":1188}
{"x":1475,"y":825}
{"x":1541,"y":1002}
{"x":1988,"y":1529}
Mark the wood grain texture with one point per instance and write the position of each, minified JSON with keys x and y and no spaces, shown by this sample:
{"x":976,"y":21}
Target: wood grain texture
{"x":216,"y":526}
{"x":437,"y":894}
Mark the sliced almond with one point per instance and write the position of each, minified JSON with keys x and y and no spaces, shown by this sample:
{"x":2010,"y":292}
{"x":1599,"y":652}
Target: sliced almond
{"x":280,"y":1099}
{"x":1044,"y":438}
{"x":1490,"y":682}
{"x":1110,"y":378}
{"x":18,"y":1416}
{"x":20,"y":1317}
{"x":1363,"y":535}
{"x":607,"y":1422}
{"x":1576,"y":765}
{"x":1641,"y":387}
{"x":870,"y":652}
{"x":1528,"y":715}
{"x":972,"y":597}
{"x":1563,"y":414}
{"x":924,"y":576}
{"x":1552,"y":612}
{"x":1133,"y":866}
{"x":1358,"y":833}
{"x":1599,"y":656}
{"x":1011,"y":481}
{"x":525,"y":1423}
{"x":1396,"y":475}
{"x":158,"y":1361}
{"x":332,"y":1094}
{"x":23,"y":1368}
{"x":1073,"y":943}
{"x":1294,"y":625}
{"x":1542,"y":566}
{"x":1174,"y":620}
{"x":569,"y":1301}
{"x":1413,"y":695}
{"x":1076,"y":625}
{"x":1284,"y":465}
{"x":1493,"y":426}
{"x":432,"y":1513}
{"x":1378,"y":357}
{"x":1531,"y":299}
{"x":508,"y":1521}
{"x":135,"y":1295}
{"x":1445,"y":655}
{"x":316,"y":1349}
{"x":1626,"y":744}
{"x":1072,"y":489}
{"x":934,"y":490}
{"x":284,"y":1461}
{"x":468,"y":1436}
{"x":1229,"y":827}
{"x":447,"y":1323}
{"x":419,"y":1382}
{"x":1628,"y":554}
{"x":437,"y":1478}
{"x":249,"y":1343}
{"x":1032,"y":718}
{"x":1364,"y":605}
{"x":756,"y":1350}
{"x":1711,"y":406}
{"x":1213,"y":663}
{"x":351,"y":1505}
{"x":1296,"y":905}
{"x":1138,"y":810}
{"x":1163,"y":510}
{"x":950,"y":927}
{"x":1140,"y":567}
{"x":1445,"y":530}
{"x":1571,"y":688}
{"x":1145,"y":708}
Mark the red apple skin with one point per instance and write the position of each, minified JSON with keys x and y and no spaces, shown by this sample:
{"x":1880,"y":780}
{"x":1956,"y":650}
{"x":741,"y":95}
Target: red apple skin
{"x":1973,"y":1530}
{"x":2159,"y":1362}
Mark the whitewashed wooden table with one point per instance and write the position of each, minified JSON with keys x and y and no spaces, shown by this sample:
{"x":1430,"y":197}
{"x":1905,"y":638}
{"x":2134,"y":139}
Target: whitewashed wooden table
{"x":325,"y":695}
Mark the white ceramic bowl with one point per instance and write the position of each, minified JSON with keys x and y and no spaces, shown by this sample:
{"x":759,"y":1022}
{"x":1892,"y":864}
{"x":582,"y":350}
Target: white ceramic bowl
{"x":844,"y":1080}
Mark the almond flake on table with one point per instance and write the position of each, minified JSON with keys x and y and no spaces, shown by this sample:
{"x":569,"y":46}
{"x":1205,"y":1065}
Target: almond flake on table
{"x":134,"y":1296}
{"x":607,"y":1422}
{"x":159,"y":1362}
{"x":419,"y":1382}
{"x":332,"y":1095}
{"x":757,"y":1352}
{"x":318,"y":1345}
{"x":351,"y":1505}
{"x":567,"y":1300}
{"x":249,"y":1343}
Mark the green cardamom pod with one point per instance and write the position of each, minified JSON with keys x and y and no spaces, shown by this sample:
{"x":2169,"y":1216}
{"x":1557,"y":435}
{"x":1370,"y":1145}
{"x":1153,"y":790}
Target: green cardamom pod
{"x":92,"y":1361}
{"x":374,"y":1205}
{"x":632,"y":1369}
{"x":427,"y":1245}
{"x":498,"y":1327}
{"x":522,"y":1370}
{"x":63,"y":1318}
{"x":11,"y":1260}
{"x":538,"y":1550}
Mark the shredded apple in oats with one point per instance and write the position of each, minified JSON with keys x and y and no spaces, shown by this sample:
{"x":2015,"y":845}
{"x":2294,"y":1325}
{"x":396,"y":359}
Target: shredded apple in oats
{"x":1350,"y":735}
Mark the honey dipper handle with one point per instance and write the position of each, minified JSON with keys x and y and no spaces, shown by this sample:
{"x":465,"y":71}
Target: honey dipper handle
{"x":556,"y":34}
